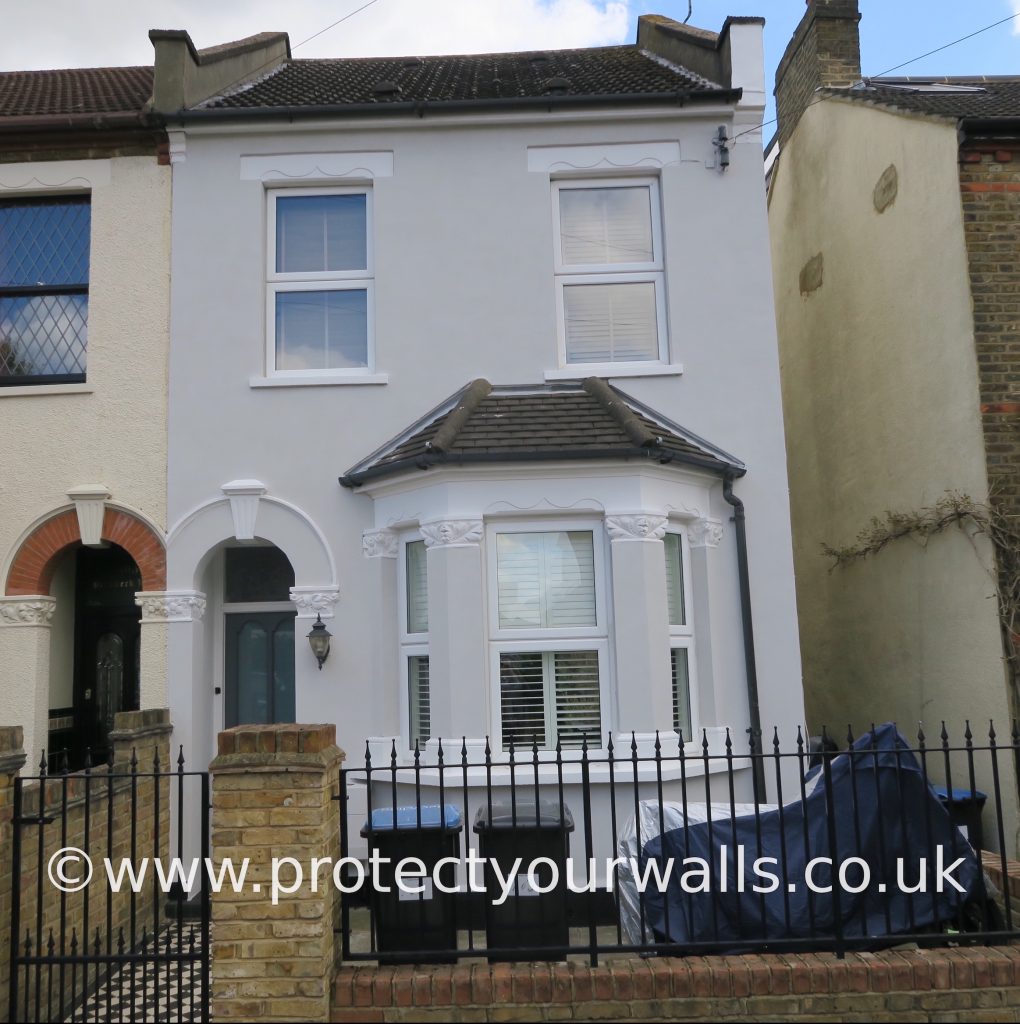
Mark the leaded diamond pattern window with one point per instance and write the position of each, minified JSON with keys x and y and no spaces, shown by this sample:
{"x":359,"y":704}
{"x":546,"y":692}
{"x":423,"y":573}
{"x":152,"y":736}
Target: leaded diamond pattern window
{"x":44,"y":287}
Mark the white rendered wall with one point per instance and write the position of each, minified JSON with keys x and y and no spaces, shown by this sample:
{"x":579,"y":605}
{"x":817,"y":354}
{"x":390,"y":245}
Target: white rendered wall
{"x":464,"y":288}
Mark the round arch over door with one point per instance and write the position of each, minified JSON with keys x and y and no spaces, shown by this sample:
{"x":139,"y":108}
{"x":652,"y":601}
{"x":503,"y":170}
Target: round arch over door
{"x":31,"y":570}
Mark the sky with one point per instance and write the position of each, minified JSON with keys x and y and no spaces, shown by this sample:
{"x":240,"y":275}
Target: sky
{"x":70,"y":33}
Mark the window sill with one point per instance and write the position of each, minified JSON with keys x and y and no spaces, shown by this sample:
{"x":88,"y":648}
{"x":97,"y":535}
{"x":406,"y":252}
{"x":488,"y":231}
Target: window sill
{"x":21,"y":391}
{"x":582,"y":370}
{"x":314,"y":380}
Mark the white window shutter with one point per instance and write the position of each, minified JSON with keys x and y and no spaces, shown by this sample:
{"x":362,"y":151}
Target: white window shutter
{"x":419,"y":703}
{"x":417,"y":588}
{"x":675,"y":580}
{"x":545,"y":580}
{"x":577,"y":697}
{"x":614,"y":322}
{"x":606,"y":226}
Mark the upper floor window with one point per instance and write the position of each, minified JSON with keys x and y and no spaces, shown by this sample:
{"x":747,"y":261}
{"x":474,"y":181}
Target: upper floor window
{"x":609,"y":272}
{"x":44,"y":289}
{"x":319,"y":294}
{"x":550,"y":640}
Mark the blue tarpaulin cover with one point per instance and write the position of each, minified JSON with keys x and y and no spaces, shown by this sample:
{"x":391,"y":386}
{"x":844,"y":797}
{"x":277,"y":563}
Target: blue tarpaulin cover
{"x":883,"y":810}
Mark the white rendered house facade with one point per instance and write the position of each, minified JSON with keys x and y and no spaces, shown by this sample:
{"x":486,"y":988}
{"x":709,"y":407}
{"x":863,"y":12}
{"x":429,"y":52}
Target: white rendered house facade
{"x":475,"y":359}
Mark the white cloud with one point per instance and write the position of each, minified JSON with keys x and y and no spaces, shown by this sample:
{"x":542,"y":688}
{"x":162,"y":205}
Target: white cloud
{"x":111,"y":32}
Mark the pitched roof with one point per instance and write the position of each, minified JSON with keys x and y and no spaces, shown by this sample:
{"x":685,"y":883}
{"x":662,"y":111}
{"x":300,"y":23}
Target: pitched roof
{"x":606,"y":71}
{"x":74,"y":91}
{"x":971,"y":97}
{"x":564,"y":422}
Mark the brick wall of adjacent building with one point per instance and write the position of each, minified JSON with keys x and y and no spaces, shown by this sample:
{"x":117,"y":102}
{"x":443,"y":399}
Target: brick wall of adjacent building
{"x":964,"y":984}
{"x":990,"y":194}
{"x":125,"y":811}
{"x":825,"y":51}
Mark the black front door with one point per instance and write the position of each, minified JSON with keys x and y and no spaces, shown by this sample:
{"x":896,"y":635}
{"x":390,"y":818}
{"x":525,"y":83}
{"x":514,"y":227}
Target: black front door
{"x":259,"y":669}
{"x":107,"y":635}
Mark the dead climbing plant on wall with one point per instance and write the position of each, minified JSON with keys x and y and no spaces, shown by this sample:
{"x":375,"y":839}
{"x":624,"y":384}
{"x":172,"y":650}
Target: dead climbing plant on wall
{"x":974,"y":518}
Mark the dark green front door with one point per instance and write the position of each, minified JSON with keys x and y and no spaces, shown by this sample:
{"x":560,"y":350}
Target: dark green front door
{"x":259,"y":670}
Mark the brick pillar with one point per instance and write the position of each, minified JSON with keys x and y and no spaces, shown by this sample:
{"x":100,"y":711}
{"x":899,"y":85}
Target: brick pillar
{"x":12,"y":759}
{"x":273,"y":795}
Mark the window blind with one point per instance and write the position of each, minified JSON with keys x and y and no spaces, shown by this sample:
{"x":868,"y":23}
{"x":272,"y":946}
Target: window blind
{"x":550,"y":695}
{"x":675,"y":580}
{"x":606,"y":225}
{"x":681,"y":693}
{"x":418,"y":699}
{"x":545,"y":580}
{"x":613,"y":322}
{"x":417,"y":588}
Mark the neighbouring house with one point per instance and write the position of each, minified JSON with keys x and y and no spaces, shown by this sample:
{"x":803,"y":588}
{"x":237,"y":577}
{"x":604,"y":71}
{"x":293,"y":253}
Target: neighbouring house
{"x":893,"y":209}
{"x":520,"y":305}
{"x":84,"y":341}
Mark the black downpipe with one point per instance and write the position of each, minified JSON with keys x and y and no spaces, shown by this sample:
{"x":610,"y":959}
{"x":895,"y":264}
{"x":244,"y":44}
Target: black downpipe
{"x":757,"y":766}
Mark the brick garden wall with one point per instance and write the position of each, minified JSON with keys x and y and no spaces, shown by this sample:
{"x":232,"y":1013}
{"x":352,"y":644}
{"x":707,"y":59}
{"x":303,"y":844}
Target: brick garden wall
{"x":966,"y":984}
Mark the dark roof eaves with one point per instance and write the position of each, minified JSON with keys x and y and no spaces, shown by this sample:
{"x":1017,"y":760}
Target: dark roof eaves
{"x":420,"y":108}
{"x":660,"y":456}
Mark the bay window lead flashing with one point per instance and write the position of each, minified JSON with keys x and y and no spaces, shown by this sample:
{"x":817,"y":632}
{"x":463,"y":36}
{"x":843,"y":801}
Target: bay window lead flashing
{"x":750,"y":667}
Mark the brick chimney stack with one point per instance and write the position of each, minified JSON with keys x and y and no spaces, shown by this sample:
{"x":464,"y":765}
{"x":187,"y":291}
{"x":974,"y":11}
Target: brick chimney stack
{"x":825,"y":51}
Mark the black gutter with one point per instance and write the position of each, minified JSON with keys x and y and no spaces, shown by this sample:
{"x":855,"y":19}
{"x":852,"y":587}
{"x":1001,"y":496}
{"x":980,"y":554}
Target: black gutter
{"x":750,"y":669}
{"x":112,"y":121}
{"x":419,"y":108}
{"x":663,"y":456}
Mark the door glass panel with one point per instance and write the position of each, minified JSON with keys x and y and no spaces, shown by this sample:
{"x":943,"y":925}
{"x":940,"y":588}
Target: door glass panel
{"x":283,"y":672}
{"x":253,"y":668}
{"x":257,"y":574}
{"x":109,"y":677}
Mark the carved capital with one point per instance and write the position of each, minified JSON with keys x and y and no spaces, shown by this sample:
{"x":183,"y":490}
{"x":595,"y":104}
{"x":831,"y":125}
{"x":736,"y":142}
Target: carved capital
{"x":171,"y":605}
{"x":705,"y":533}
{"x":313,"y":601}
{"x":379,"y":543}
{"x":636,"y":526}
{"x":27,"y":611}
{"x":452,"y":533}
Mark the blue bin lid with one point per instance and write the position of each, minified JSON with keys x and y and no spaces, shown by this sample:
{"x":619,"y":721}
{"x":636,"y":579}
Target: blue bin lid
{"x":959,"y":795}
{"x":432,"y":816}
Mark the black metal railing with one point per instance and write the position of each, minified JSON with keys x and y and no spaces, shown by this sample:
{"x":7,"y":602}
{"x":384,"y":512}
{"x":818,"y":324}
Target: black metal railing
{"x":647,"y":845}
{"x":82,"y":947}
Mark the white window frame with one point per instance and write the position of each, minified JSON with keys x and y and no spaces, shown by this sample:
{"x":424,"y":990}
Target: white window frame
{"x":411,"y":644}
{"x":574,"y":638}
{"x":318,"y":281}
{"x":682,"y":637}
{"x":611,"y":273}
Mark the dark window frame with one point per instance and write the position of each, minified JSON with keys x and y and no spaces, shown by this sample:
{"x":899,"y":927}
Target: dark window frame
{"x":29,"y":291}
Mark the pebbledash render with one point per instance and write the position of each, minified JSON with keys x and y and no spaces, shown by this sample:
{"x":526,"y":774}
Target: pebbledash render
{"x":474,"y":357}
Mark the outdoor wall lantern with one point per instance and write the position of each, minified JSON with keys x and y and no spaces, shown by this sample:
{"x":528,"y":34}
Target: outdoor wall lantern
{"x":318,"y":640}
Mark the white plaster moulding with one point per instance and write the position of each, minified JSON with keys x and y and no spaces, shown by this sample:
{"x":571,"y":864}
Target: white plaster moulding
{"x":607,"y":157}
{"x":27,"y":610}
{"x":90,"y":505}
{"x":189,"y":517}
{"x":72,"y":175}
{"x":636,"y":526}
{"x":244,"y":497}
{"x":381,"y":543}
{"x":315,"y":601}
{"x":288,"y":167}
{"x":162,"y":606}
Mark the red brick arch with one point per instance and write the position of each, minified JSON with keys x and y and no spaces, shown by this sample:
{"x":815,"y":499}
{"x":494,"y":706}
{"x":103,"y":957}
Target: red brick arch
{"x":31,"y":571}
